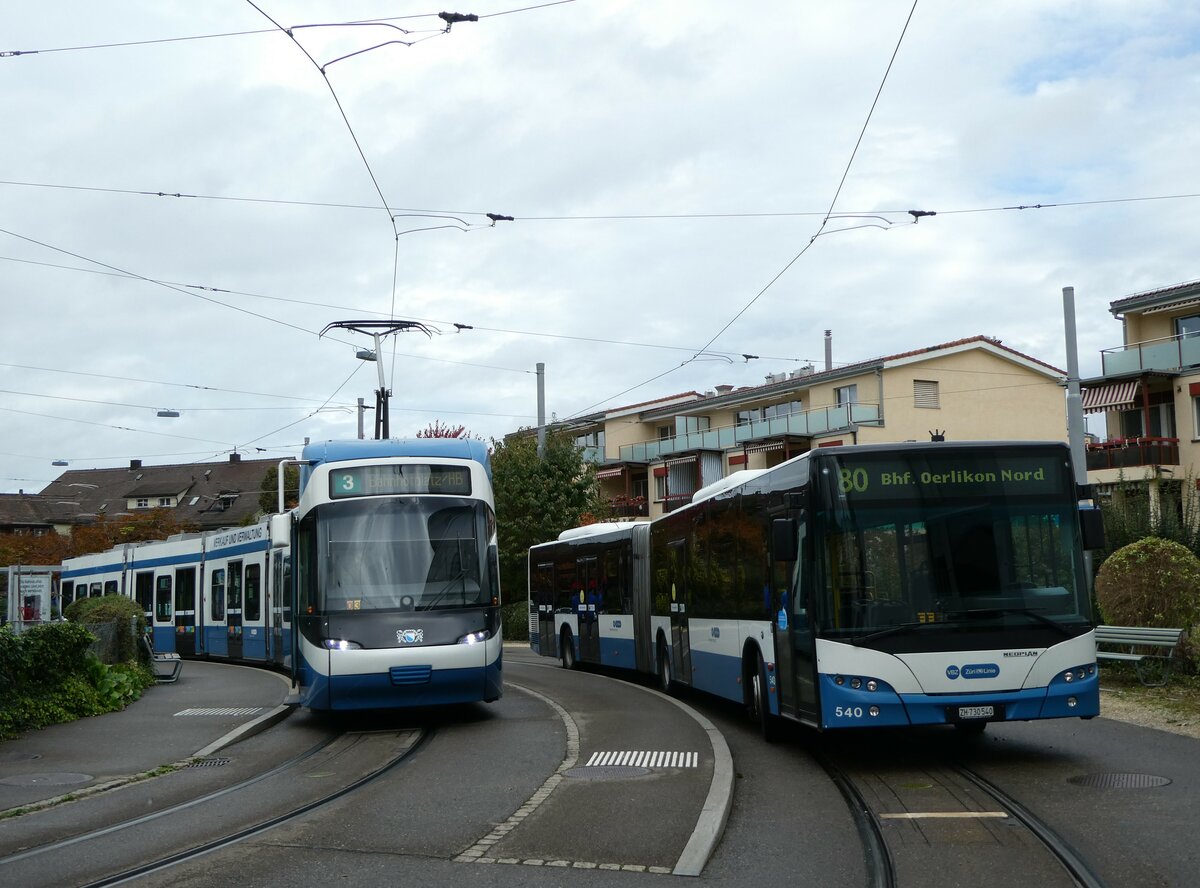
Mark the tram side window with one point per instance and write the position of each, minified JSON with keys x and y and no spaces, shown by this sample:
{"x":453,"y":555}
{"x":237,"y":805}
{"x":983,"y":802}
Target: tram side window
{"x":253,"y":593}
{"x":162,"y":600}
{"x":68,"y":592}
{"x":110,"y":587}
{"x":287,"y":588}
{"x":95,"y":591}
{"x":218,"y":595}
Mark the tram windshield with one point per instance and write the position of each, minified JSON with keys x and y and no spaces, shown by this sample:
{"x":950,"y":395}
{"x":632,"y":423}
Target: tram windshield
{"x":398,"y":553}
{"x":987,"y":543}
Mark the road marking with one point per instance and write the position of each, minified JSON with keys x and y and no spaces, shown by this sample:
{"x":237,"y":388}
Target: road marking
{"x":942,"y":815}
{"x":645,"y":759}
{"x":241,"y":710}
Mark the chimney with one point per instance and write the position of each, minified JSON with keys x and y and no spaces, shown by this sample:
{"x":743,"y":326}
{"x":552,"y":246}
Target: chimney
{"x":235,"y":457}
{"x":135,"y":464}
{"x":724,"y":389}
{"x":828,"y":349}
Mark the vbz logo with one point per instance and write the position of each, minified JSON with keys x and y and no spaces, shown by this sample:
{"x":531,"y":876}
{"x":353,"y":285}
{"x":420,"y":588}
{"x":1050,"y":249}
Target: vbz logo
{"x":952,"y":672}
{"x":715,"y":631}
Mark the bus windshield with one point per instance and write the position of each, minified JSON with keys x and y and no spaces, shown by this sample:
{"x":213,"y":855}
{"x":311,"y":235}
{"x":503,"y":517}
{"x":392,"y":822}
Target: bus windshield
{"x":401,"y":553}
{"x":952,"y":548}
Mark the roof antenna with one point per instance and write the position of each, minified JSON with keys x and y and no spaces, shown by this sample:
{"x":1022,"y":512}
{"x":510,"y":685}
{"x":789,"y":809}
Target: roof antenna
{"x":937,"y":435}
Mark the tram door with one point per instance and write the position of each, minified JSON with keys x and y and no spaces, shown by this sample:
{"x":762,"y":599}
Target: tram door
{"x":254,"y":632}
{"x":541,"y":598}
{"x":143,"y":593}
{"x":677,"y":579}
{"x":164,"y":622}
{"x":185,"y":611}
{"x":233,"y":609}
{"x":588,"y":573}
{"x":280,"y":655}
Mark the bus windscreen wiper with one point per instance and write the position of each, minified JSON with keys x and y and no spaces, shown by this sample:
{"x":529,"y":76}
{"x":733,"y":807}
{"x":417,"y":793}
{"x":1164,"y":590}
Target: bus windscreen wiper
{"x":890,"y":630}
{"x":982,"y":613}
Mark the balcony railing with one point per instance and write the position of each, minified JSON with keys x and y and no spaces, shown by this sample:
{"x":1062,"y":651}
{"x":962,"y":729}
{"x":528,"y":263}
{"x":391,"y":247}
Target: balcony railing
{"x":1130,"y":453}
{"x":1170,"y":353}
{"x":805,"y":424}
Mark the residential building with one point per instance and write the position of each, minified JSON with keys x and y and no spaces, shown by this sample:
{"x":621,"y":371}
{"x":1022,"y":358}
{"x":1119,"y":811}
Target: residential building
{"x":206,"y":495}
{"x":651,"y":457}
{"x":1149,"y":393}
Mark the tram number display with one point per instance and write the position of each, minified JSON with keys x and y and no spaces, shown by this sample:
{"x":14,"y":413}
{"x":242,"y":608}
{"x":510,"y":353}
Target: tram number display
{"x":394,"y":480}
{"x":997,"y":475}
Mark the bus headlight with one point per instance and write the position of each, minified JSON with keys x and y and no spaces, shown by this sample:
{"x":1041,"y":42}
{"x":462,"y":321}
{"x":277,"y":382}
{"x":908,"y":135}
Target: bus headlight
{"x":474,"y":637}
{"x":341,"y":644}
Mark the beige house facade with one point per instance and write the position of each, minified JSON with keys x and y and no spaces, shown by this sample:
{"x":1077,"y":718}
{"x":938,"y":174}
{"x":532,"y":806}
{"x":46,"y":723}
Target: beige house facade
{"x":651,"y":457}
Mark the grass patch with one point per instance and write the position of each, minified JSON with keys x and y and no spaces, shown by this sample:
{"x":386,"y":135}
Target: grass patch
{"x":1179,"y":697}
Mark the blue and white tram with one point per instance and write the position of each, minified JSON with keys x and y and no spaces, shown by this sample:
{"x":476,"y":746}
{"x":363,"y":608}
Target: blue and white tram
{"x":216,"y":595}
{"x":395,"y":571}
{"x":874,"y":585}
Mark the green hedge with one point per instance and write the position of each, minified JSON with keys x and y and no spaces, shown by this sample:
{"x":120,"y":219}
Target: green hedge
{"x":48,"y":676}
{"x":124,"y":613}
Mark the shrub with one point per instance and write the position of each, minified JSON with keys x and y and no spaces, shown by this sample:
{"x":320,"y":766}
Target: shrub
{"x":122,"y":612}
{"x":1152,"y":582}
{"x":514,"y":618}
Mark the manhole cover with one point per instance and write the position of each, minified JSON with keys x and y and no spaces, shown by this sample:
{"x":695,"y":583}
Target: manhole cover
{"x":6,"y":757}
{"x":1119,"y":781}
{"x":46,"y":779}
{"x":208,"y":763}
{"x":606,"y":772}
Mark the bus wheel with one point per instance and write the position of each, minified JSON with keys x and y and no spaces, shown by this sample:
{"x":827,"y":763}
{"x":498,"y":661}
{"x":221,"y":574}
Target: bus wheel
{"x":760,"y":702}
{"x":566,"y":650}
{"x":664,"y":669}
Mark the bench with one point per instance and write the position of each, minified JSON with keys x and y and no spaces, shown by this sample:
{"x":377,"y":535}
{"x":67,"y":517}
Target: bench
{"x":167,"y":667}
{"x":1133,"y":642}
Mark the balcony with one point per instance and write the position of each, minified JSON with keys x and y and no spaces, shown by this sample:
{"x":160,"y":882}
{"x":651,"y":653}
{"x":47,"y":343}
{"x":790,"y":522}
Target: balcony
{"x":806,"y":424}
{"x":1171,"y":353}
{"x":1131,"y":453}
{"x":630,"y":507}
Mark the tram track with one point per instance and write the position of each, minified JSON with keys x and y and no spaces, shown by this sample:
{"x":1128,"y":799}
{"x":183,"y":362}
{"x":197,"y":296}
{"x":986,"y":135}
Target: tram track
{"x":407,"y":743}
{"x":906,"y":843}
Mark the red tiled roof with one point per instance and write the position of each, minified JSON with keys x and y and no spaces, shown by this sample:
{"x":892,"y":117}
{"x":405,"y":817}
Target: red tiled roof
{"x":1150,"y":294}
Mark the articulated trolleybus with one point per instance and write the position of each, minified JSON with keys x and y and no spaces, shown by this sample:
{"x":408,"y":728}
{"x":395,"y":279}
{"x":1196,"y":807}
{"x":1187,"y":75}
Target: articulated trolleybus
{"x":397,"y":596}
{"x":849,"y":587}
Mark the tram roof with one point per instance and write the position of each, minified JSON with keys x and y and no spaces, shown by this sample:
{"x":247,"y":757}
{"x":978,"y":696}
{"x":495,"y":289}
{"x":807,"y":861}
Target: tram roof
{"x":444,"y":448}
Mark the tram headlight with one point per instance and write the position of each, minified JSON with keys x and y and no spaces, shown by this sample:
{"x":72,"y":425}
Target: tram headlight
{"x":474,"y":637}
{"x":341,"y":644}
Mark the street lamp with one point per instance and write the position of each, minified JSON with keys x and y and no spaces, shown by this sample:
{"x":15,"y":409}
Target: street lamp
{"x":168,"y":413}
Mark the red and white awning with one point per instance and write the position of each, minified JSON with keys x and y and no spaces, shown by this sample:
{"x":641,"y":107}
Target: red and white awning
{"x":602,"y":474}
{"x":1114,"y":396}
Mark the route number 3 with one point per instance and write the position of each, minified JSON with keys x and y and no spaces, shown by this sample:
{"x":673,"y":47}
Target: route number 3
{"x":853,"y":480}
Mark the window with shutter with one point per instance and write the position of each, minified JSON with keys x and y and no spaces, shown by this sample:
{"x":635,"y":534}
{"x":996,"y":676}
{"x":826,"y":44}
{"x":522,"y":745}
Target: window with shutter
{"x":925,"y":393}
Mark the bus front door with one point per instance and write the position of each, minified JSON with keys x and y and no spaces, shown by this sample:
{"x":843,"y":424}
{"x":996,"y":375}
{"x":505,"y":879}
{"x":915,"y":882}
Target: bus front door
{"x":588,"y":609}
{"x":681,"y":645}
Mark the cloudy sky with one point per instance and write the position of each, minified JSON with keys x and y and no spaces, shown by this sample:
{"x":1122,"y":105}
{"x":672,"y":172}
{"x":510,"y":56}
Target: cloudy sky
{"x":187,"y":201}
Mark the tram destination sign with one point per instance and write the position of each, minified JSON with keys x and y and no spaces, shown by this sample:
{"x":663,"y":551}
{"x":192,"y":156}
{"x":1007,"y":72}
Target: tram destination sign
{"x":394,"y":480}
{"x":995,"y":475}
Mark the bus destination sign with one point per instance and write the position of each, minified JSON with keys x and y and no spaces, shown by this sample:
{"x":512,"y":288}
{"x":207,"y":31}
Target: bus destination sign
{"x":1015,"y":475}
{"x":395,"y":480}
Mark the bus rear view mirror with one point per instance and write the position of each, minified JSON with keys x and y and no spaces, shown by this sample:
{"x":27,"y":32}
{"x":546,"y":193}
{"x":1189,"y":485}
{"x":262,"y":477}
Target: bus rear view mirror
{"x":1091,"y":526}
{"x":783,"y":539}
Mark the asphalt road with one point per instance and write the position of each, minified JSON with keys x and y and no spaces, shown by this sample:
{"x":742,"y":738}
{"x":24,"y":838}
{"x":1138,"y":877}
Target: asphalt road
{"x":510,"y":794}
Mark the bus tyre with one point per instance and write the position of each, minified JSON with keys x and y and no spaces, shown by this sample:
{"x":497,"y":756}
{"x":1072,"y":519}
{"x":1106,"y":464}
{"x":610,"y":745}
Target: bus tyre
{"x":663,"y":678}
{"x":760,"y":701}
{"x":566,"y":650}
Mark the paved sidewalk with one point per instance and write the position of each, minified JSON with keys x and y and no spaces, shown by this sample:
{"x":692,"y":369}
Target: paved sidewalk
{"x":211,"y":706}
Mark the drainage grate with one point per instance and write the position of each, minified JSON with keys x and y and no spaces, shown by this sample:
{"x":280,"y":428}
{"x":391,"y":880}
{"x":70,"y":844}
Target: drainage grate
{"x":607,"y":772}
{"x":237,"y":710}
{"x":1119,"y":781}
{"x":208,"y":763}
